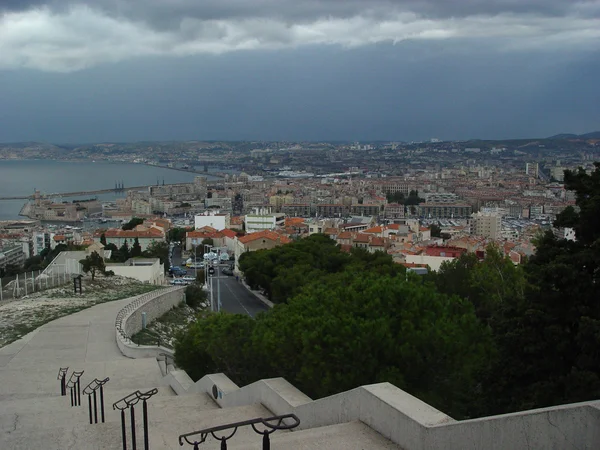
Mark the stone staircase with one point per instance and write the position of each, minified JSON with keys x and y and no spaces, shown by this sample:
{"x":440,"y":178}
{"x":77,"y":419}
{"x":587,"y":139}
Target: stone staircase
{"x":33,"y":414}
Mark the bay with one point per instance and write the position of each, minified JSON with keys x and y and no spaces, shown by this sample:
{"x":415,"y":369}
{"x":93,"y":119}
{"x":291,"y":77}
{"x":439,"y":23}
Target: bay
{"x":21,"y":177}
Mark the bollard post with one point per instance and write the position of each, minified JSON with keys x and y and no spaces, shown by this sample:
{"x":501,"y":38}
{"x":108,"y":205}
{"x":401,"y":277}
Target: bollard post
{"x":102,"y":402}
{"x":123,"y":431}
{"x":90,"y":406}
{"x":132,"y":411}
{"x":95,"y":409}
{"x":145,"y":418}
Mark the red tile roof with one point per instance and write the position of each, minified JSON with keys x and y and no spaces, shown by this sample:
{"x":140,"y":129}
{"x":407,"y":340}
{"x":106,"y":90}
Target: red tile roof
{"x":266,"y":234}
{"x":377,"y":242}
{"x":362,"y":238}
{"x":229,"y":233}
{"x":131,"y":234}
{"x":374,"y":230}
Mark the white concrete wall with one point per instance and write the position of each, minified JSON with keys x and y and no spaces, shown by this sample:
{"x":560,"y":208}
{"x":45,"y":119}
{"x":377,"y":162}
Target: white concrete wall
{"x":217,"y":222}
{"x":154,"y":304}
{"x":154,"y":274}
{"x":411,"y":423}
{"x":435,"y":262}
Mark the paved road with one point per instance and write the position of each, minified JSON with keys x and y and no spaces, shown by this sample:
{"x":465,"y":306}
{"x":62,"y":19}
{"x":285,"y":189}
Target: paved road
{"x":236,"y":299}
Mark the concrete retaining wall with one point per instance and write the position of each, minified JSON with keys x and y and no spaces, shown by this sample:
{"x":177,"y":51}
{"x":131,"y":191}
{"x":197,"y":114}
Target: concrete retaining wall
{"x":409,"y":422}
{"x":129,"y":320}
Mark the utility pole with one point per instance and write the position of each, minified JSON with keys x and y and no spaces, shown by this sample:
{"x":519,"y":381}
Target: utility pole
{"x":218,"y":281}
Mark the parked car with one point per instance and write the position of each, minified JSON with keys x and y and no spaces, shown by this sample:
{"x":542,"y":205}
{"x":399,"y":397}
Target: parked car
{"x":177,"y":271}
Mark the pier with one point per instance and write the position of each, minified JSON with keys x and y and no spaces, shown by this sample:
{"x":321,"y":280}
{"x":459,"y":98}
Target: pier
{"x":118,"y":188}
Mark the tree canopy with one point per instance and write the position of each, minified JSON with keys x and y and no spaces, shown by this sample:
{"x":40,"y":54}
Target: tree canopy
{"x":93,"y":263}
{"x":134,"y":222}
{"x":479,"y":337}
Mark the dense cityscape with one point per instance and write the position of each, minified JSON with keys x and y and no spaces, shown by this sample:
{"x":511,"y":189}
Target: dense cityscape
{"x":406,"y":199}
{"x":300,"y":224}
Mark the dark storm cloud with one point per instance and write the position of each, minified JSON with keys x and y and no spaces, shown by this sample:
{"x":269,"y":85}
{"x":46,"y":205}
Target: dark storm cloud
{"x":67,"y":35}
{"x":376,"y":92}
{"x":161,"y":11}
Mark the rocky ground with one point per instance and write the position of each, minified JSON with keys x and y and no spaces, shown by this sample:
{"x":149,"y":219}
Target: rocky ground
{"x":21,"y":316}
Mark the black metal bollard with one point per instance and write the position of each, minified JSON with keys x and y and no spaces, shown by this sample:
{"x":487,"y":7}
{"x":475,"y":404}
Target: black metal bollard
{"x":95,"y":408}
{"x":123,"y":432}
{"x":145,"y":418}
{"x":133,"y":443}
{"x":102,"y":402}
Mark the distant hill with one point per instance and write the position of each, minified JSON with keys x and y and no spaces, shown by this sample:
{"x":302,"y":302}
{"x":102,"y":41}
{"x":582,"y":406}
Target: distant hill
{"x":592,"y":135}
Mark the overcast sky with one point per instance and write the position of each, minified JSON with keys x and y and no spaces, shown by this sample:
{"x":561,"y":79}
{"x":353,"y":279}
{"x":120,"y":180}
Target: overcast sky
{"x":125,"y":70}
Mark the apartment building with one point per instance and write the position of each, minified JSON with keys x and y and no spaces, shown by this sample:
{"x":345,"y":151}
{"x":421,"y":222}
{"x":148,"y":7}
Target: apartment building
{"x":486,"y":224}
{"x":445,"y":210}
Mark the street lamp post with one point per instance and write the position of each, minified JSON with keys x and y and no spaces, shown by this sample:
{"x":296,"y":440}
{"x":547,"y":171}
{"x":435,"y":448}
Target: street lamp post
{"x":209,"y":279}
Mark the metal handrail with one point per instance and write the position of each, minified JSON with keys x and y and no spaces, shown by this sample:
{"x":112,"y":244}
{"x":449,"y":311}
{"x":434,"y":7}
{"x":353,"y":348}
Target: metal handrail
{"x":74,"y":384}
{"x":95,"y":384}
{"x":62,"y":375}
{"x":129,"y":402}
{"x":266,"y":422}
{"x":90,"y":391}
{"x":133,"y":399}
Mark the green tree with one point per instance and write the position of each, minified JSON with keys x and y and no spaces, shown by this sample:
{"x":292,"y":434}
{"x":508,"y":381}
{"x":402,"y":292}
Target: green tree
{"x":398,"y":197}
{"x":10,"y":270}
{"x":436,"y":231}
{"x":195,"y":295}
{"x":218,"y":343}
{"x":34,"y":263}
{"x":93,"y":263}
{"x":136,"y":249}
{"x":177,"y":234}
{"x":124,"y":251}
{"x":103,"y":239}
{"x":134,"y":222}
{"x":158,"y":249}
{"x":548,"y":340}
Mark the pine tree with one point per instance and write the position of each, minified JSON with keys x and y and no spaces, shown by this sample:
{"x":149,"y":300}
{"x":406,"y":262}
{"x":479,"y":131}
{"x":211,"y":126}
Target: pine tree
{"x":136,"y":249}
{"x":124,"y":252}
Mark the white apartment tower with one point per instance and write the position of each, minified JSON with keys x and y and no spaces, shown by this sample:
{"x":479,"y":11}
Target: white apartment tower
{"x":532,"y":169}
{"x":486,"y":224}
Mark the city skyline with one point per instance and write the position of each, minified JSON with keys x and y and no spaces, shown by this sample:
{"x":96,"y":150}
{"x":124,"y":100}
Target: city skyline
{"x":288,"y":71}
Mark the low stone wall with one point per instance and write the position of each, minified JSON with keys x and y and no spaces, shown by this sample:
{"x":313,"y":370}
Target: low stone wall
{"x":129,"y":320}
{"x":409,"y":422}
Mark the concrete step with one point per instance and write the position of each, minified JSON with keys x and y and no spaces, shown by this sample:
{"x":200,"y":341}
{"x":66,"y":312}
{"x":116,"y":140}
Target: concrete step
{"x":57,"y":412}
{"x":165,"y":426}
{"x":76,"y":436}
{"x":345,"y":436}
{"x":124,"y":374}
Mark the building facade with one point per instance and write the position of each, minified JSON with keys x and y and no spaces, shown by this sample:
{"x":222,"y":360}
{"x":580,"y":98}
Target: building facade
{"x":486,"y":224}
